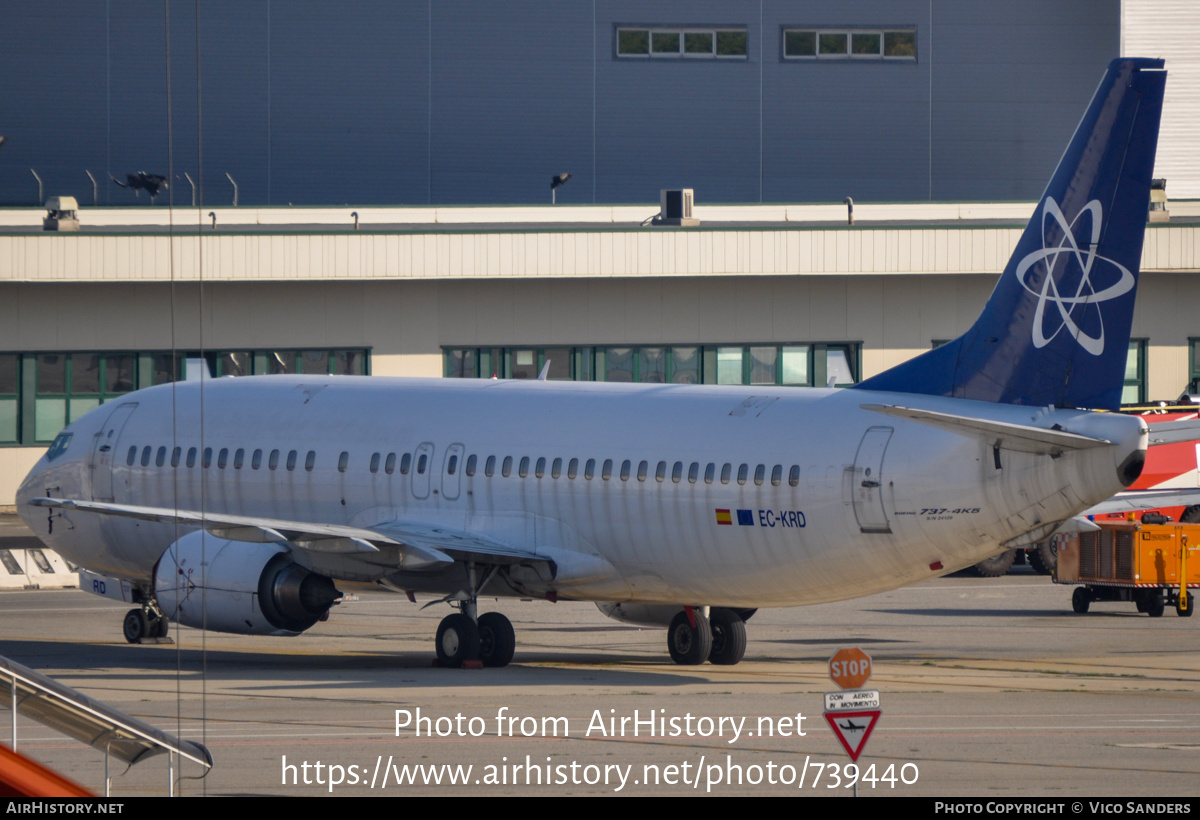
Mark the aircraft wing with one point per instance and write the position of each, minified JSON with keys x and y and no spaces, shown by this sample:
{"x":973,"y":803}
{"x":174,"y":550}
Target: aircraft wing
{"x":1019,"y":437}
{"x":423,"y":546}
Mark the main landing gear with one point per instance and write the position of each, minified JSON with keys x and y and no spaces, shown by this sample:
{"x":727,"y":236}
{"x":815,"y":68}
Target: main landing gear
{"x":146,"y":624}
{"x":697,"y":635}
{"x":466,"y":636}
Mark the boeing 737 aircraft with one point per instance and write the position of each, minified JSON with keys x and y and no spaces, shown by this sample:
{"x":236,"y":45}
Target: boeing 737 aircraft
{"x":687,"y":506}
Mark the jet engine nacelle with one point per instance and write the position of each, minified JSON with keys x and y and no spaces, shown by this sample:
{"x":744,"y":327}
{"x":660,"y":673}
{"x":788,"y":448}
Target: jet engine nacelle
{"x":640,"y":614}
{"x":235,"y":586}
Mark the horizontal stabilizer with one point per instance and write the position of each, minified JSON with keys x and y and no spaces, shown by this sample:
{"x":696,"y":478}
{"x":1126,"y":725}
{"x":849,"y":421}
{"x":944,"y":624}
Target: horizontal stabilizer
{"x":1018,"y":437}
{"x":1172,"y":432}
{"x":1139,"y":500}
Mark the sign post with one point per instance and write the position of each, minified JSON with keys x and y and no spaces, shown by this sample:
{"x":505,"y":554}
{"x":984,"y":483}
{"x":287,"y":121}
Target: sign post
{"x":853,"y":712}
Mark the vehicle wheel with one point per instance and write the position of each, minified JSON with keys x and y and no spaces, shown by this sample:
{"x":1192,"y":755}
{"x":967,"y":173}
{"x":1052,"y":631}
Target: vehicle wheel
{"x":1044,"y":557}
{"x":135,"y":626}
{"x":457,"y":640}
{"x":1191,"y":515}
{"x":162,"y":627}
{"x":1081,"y":599}
{"x":1141,"y":604}
{"x":1154,"y":605}
{"x":728,"y":637}
{"x":995,"y":567}
{"x":689,"y":645}
{"x":1186,"y":613}
{"x":497,"y":641}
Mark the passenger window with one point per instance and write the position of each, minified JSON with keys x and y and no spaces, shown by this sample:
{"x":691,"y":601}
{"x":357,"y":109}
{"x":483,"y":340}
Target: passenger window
{"x":310,"y":460}
{"x":132,"y":457}
{"x":777,"y":475}
{"x":794,"y":476}
{"x":422,"y":463}
{"x":606,"y":474}
{"x":239,"y":458}
{"x":343,"y":462}
{"x":506,"y":469}
{"x":472,"y":460}
{"x":175,"y":454}
{"x":643,"y":467}
{"x":256,"y":460}
{"x":489,"y":466}
{"x":589,"y":469}
{"x":556,"y":468}
{"x":389,"y":466}
{"x":146,"y":456}
{"x":191,"y":458}
{"x":573,"y":468}
{"x":725,"y":470}
{"x":540,"y":469}
{"x":405,"y":463}
{"x":524,"y":469}
{"x":273,"y":461}
{"x":451,"y":465}
{"x":709,"y":473}
{"x":626,"y":466}
{"x":661,"y":473}
{"x":222,"y":458}
{"x":760,"y":472}
{"x":207,"y":458}
{"x":291,"y":459}
{"x":375,"y":462}
{"x":677,"y":472}
{"x":694,"y":472}
{"x":161,"y":458}
{"x":743,"y":473}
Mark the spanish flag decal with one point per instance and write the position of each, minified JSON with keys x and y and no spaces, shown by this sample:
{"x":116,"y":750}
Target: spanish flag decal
{"x":723,"y":517}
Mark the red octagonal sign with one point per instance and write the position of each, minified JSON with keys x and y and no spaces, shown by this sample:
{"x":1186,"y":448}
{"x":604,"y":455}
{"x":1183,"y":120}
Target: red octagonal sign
{"x":850,"y":668}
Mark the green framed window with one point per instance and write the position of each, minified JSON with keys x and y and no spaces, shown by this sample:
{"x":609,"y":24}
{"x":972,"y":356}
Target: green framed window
{"x":799,"y":364}
{"x":68,"y":385}
{"x":1134,"y":389}
{"x":10,"y":398}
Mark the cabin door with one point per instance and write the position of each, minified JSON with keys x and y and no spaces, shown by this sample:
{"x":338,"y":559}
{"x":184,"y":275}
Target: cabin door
{"x":867,"y":481}
{"x":105,"y":449}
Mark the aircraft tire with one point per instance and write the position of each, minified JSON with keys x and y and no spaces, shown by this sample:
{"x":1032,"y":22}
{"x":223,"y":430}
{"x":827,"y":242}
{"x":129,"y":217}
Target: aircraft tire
{"x":1154,"y":605}
{"x":1044,"y":556}
{"x":728,"y":637}
{"x":688,"y":645}
{"x":457,"y":640}
{"x":161,"y":627}
{"x":1191,"y":515}
{"x":995,"y":567}
{"x":1081,"y":599}
{"x":135,"y":626}
{"x":497,"y":640}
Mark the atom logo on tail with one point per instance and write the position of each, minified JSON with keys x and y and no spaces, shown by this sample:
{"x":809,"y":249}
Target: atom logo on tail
{"x":1069,"y":309}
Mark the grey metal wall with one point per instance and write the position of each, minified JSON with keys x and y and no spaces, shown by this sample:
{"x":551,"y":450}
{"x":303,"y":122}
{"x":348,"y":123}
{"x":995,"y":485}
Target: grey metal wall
{"x":471,"y":101}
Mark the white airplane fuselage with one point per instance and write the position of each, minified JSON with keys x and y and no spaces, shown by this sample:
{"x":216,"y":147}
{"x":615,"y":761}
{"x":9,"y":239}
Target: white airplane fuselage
{"x":847,"y":501}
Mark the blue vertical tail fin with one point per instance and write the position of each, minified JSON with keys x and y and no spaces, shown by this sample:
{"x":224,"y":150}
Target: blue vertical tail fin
{"x":1055,"y":330}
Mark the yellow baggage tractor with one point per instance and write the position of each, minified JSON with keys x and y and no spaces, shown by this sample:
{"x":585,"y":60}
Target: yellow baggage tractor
{"x":1152,"y":564}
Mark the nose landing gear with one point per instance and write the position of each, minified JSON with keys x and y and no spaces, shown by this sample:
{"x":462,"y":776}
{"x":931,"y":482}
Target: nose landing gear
{"x":146,"y":624}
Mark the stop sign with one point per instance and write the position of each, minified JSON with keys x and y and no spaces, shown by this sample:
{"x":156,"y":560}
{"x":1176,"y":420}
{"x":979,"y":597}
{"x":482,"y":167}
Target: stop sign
{"x":850,"y":668}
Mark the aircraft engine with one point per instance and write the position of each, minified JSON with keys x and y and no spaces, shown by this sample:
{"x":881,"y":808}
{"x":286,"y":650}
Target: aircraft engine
{"x":240,"y":587}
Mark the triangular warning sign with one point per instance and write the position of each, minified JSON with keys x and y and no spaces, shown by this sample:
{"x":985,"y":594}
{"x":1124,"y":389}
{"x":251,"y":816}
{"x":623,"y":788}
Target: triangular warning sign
{"x":853,"y":729}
